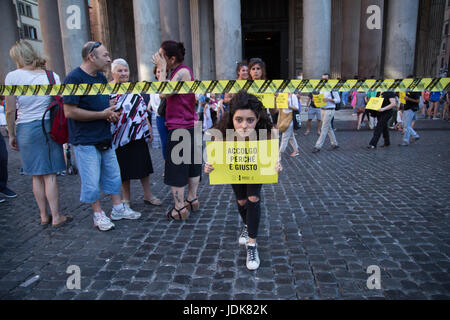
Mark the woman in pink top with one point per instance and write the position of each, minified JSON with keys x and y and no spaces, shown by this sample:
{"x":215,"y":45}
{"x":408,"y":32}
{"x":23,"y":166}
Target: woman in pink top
{"x":181,"y":118}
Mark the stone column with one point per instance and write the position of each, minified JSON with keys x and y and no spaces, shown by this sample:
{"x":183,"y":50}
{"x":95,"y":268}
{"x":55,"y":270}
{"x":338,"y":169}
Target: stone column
{"x":371,"y":38}
{"x":227,"y":37}
{"x":350,"y":38}
{"x":184,"y":21}
{"x":148,"y":35}
{"x":316,"y":37}
{"x":51,"y":36}
{"x":170,"y":29}
{"x":202,"y":31}
{"x":10,"y":34}
{"x":75,"y":30}
{"x":401,"y":38}
{"x":336,"y":39}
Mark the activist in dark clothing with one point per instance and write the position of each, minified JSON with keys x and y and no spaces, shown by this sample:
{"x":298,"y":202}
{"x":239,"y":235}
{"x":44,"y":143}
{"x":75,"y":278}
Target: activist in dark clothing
{"x":247,"y":117}
{"x":383,"y":116}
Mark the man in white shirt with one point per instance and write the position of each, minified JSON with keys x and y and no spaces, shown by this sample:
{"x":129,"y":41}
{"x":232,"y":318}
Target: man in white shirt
{"x":327,"y":113}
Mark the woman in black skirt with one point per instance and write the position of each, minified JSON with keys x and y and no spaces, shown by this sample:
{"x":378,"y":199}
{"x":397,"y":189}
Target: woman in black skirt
{"x":130,"y":137}
{"x":246,"y":116}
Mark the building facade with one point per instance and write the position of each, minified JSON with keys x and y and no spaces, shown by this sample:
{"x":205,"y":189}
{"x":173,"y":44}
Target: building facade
{"x":444,"y":55}
{"x":28,"y":22}
{"x":296,"y":38}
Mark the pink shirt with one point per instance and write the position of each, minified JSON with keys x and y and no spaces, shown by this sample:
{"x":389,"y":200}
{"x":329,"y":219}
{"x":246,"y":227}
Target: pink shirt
{"x":180,"y":108}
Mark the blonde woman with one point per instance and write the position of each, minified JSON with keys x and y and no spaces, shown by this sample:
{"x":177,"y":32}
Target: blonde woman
{"x":41,"y":159}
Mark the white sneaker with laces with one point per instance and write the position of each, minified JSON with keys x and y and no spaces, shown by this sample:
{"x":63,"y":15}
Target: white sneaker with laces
{"x":252,"y":257}
{"x":102,"y":222}
{"x":243,"y":238}
{"x":125,"y":213}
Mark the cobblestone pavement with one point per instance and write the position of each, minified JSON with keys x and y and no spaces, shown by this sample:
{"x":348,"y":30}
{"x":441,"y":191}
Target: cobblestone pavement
{"x":331,"y":216}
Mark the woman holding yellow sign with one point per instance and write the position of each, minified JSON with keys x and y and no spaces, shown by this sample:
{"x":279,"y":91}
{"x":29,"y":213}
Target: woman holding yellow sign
{"x":247,"y":118}
{"x":383,"y":107}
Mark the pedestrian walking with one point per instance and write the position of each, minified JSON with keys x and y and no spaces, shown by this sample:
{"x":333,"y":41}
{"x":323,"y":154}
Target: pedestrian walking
{"x":360,"y":107}
{"x":89,"y":118}
{"x":130,"y":136}
{"x":246,"y":116}
{"x":433,"y":111}
{"x":41,"y":156}
{"x":288,"y":129}
{"x":313,"y":112}
{"x":180,"y":114}
{"x":412,"y":100}
{"x":445,"y":112}
{"x":383,"y":116}
{"x":327,"y":114}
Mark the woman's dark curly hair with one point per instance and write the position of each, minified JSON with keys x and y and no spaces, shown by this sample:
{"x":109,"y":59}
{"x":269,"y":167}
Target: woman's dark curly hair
{"x":245,"y":101}
{"x":174,"y":49}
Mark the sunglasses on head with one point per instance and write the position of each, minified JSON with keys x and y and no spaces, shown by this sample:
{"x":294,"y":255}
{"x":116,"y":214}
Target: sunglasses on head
{"x":95,"y":46}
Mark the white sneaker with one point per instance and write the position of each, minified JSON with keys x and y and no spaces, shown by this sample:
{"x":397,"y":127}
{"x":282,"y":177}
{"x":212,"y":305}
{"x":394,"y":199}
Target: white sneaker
{"x":252,"y":257}
{"x":125,"y":213}
{"x":102,"y":222}
{"x":243,"y":238}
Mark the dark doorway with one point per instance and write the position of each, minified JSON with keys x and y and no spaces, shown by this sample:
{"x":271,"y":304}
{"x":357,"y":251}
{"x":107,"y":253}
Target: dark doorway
{"x":264,"y":45}
{"x":265,"y":29}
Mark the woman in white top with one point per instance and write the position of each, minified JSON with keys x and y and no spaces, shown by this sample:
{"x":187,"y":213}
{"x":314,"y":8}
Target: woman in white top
{"x":41,"y":157}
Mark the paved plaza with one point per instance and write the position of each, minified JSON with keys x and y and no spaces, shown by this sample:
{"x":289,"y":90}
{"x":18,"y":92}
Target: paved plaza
{"x":330,"y":217}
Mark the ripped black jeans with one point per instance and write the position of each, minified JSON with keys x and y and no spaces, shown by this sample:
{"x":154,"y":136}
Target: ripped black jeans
{"x":251,"y":211}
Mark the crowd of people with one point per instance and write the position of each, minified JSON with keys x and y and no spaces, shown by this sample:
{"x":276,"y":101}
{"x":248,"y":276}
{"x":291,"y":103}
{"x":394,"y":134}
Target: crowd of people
{"x":110,"y":133}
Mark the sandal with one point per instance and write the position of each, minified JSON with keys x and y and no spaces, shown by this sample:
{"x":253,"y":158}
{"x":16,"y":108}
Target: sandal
{"x":180,"y":215}
{"x":153,"y":201}
{"x":193,"y":207}
{"x":46,"y":223}
{"x":68,"y":219}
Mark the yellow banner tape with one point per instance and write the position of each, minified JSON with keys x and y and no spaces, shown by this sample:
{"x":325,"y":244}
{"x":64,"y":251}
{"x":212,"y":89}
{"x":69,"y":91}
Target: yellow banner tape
{"x":231,"y":86}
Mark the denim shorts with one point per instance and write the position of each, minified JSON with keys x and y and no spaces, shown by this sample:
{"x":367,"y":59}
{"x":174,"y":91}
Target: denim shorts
{"x":99,"y":172}
{"x":314,"y":113}
{"x":40,"y":156}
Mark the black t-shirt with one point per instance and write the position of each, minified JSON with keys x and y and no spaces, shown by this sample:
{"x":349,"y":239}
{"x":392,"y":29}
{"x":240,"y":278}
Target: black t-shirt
{"x":310,"y":95}
{"x":386,"y":96}
{"x":412,"y":105}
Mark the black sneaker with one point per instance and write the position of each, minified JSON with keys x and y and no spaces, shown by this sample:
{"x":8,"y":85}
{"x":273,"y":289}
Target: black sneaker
{"x":333,"y":147}
{"x":243,"y":238}
{"x":252,"y":257}
{"x":2,"y":200}
{"x":315,"y":150}
{"x":8,"y":193}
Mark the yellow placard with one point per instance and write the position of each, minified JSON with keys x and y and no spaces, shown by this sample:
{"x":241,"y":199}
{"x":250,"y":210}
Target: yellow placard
{"x":375,"y":104}
{"x":267,"y":99}
{"x":318,"y":100}
{"x":243,"y":162}
{"x":283,"y":101}
{"x":402,"y":97}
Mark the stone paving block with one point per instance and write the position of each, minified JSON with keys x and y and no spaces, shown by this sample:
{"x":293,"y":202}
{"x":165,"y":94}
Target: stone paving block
{"x":319,"y":232}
